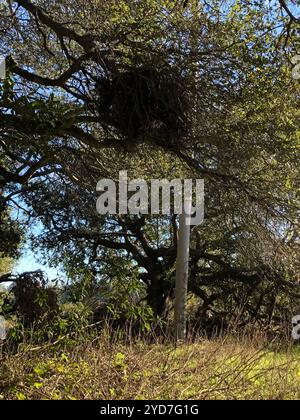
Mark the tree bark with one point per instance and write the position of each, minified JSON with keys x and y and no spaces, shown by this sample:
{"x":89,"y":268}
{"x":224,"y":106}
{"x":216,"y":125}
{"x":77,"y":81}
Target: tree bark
{"x":157,"y":294}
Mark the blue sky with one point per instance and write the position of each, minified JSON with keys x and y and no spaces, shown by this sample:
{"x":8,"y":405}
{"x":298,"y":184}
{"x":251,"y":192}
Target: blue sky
{"x":32,"y":262}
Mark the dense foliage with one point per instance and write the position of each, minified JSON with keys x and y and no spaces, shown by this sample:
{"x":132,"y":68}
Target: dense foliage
{"x":164,"y":89}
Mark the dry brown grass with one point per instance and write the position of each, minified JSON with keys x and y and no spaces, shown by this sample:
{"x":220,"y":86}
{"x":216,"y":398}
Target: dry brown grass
{"x":99,"y":369}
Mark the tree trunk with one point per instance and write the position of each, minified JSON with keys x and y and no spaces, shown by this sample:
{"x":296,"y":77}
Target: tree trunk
{"x":157,"y":294}
{"x":182,"y":271}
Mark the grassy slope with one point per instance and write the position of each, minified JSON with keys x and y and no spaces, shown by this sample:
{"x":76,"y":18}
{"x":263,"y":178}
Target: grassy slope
{"x":219,"y":369}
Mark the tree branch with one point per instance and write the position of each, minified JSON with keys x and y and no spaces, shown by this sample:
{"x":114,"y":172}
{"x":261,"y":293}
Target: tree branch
{"x":86,"y":41}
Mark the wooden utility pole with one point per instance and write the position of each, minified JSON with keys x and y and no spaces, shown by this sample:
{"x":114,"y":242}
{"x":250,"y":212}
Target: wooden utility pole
{"x":184,"y":233}
{"x":182,"y":269}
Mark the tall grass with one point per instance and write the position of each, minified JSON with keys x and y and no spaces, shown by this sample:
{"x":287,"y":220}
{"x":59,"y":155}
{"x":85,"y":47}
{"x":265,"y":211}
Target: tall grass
{"x":105,"y":366}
